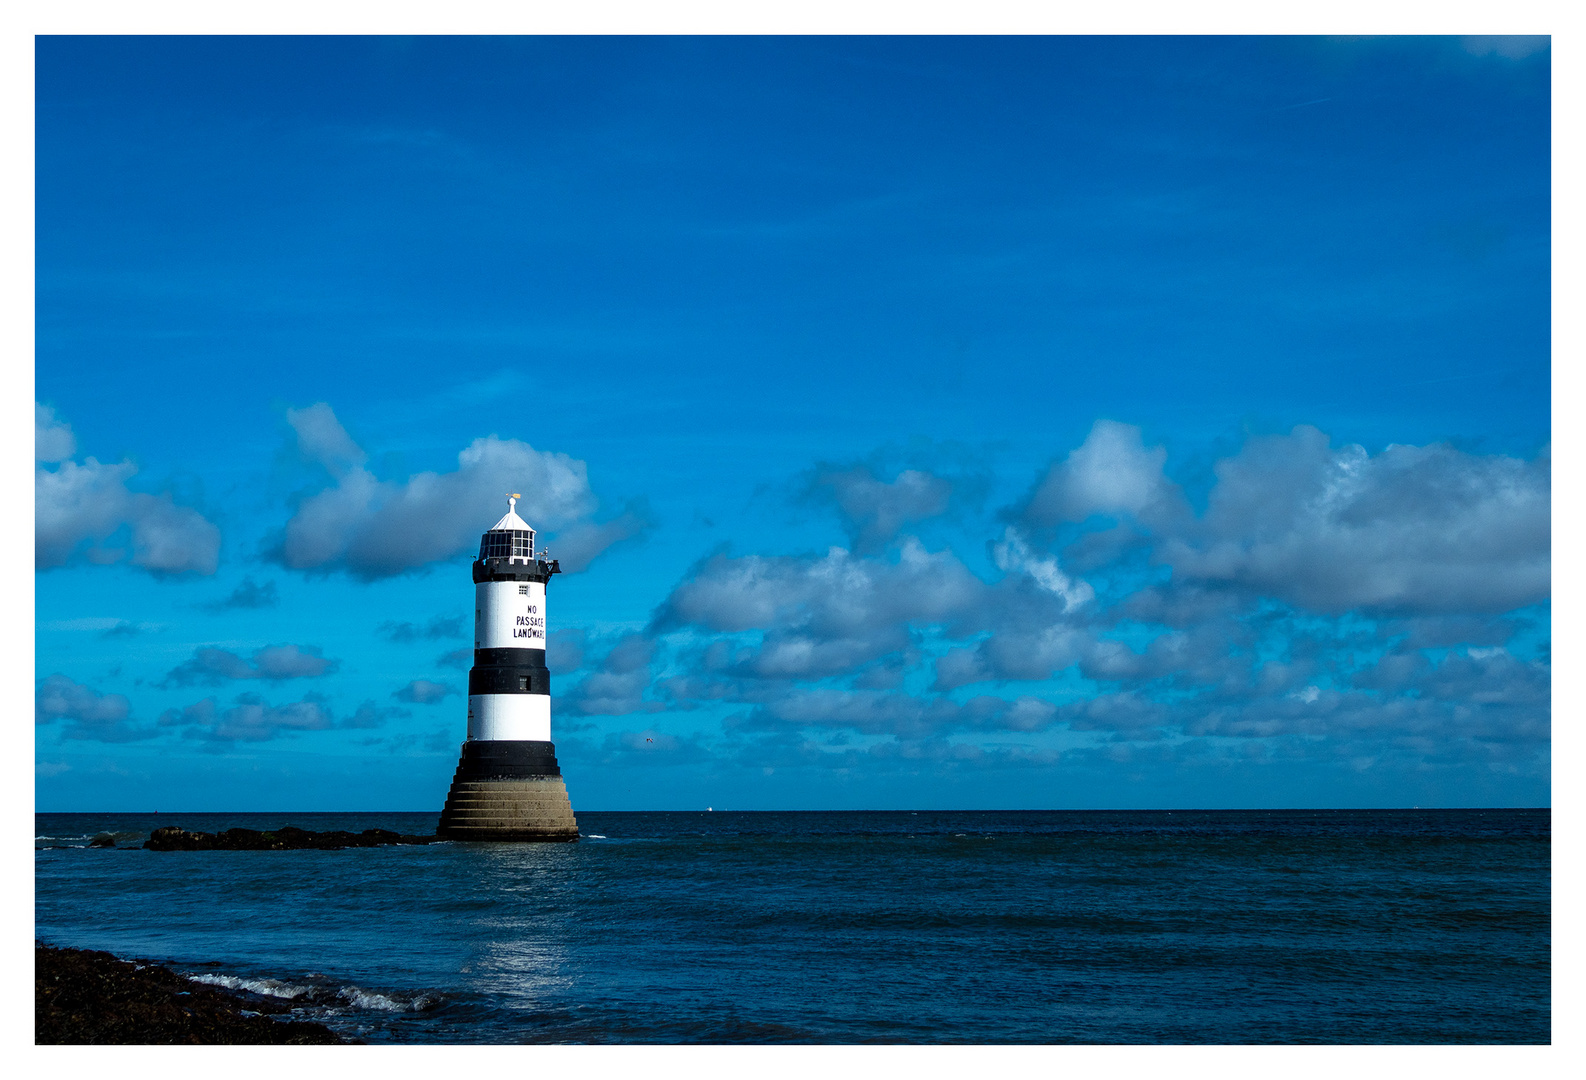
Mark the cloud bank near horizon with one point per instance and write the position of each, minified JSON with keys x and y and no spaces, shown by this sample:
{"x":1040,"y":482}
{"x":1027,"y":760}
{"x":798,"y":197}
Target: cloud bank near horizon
{"x":1321,"y":600}
{"x":1315,"y":602}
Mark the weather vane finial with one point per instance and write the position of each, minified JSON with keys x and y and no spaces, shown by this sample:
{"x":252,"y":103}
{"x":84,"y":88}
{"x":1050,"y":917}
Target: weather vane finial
{"x":512,"y":502}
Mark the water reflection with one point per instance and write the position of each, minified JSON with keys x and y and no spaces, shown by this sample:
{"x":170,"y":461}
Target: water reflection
{"x":525,"y":936}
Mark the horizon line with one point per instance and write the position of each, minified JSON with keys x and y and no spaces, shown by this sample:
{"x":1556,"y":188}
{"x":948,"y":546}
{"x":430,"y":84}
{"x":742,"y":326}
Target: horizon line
{"x":896,"y":810}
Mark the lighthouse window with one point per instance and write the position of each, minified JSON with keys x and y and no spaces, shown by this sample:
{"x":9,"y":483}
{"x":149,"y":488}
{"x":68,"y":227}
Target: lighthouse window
{"x":523,"y":590}
{"x":515,"y":543}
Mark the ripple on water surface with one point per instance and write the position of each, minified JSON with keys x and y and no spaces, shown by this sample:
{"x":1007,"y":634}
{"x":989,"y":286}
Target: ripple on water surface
{"x":1357,"y":926}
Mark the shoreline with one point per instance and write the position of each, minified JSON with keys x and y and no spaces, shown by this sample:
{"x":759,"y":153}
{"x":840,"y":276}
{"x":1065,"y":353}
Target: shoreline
{"x":84,"y":997}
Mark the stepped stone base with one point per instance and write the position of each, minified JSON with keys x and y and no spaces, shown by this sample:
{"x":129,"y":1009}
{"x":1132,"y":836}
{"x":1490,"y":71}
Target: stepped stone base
{"x":508,"y":792}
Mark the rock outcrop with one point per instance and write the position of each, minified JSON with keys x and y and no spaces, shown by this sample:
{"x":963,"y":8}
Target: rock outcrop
{"x":83,"y":997}
{"x":290,"y":837}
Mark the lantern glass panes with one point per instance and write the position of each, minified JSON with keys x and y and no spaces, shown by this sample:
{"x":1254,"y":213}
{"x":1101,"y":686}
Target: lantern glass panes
{"x":514,"y":543}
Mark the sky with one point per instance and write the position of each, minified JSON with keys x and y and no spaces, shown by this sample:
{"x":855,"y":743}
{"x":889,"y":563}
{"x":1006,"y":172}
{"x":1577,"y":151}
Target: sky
{"x":920,"y":422}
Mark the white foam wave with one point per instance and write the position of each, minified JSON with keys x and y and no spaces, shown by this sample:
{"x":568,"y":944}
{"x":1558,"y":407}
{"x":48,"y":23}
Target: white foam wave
{"x":265,"y":987}
{"x":593,"y":836}
{"x":368,"y":999}
{"x":354,"y":996}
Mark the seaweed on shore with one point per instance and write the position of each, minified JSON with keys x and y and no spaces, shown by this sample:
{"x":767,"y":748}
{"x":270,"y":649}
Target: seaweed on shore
{"x":84,"y":997}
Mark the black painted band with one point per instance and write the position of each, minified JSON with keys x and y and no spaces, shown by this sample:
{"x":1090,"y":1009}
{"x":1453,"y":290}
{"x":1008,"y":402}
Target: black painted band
{"x":503,"y":570}
{"x":505,"y":680}
{"x":509,"y":657}
{"x":506,"y":760}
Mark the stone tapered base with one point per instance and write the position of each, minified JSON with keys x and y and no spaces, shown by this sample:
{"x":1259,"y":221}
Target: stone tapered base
{"x":508,"y":792}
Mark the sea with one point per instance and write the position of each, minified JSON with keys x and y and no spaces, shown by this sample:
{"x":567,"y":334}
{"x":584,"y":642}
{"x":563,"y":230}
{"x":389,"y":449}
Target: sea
{"x":1296,"y":926}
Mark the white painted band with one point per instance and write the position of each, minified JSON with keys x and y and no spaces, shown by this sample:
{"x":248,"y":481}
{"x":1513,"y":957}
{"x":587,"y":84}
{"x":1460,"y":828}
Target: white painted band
{"x":508,"y":717}
{"x":509,"y":615}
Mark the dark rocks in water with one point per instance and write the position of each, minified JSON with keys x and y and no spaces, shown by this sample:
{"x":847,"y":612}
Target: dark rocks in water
{"x":82,"y":997}
{"x":290,"y":837}
{"x":104,"y":839}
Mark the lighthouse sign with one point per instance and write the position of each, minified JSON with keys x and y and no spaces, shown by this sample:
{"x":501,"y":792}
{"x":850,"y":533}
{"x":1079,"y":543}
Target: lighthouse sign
{"x":510,"y":615}
{"x":531,"y":625}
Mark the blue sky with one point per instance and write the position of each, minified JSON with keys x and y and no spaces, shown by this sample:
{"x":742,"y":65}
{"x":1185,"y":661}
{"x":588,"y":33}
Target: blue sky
{"x":927,"y":422}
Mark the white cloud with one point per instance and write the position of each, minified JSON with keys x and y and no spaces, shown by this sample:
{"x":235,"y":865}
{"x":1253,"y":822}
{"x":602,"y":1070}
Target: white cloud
{"x":87,"y":713}
{"x":423,"y":692}
{"x":273,"y":663}
{"x":875,"y":510}
{"x":1111,"y":473}
{"x":1012,"y":554}
{"x":1412,"y":530}
{"x":835,"y":595}
{"x":1263,"y":619}
{"x":52,"y":438}
{"x":578,"y":544}
{"x":322,"y":439}
{"x":617,"y":687}
{"x":250,"y":720}
{"x":80,"y":507}
{"x":373,"y":529}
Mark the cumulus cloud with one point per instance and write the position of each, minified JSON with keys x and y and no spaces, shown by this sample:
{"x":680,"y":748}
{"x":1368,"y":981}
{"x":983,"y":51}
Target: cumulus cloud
{"x":423,"y":692}
{"x":81,"y":508}
{"x":249,"y":720}
{"x":322,"y":439}
{"x":1013,"y":555}
{"x":87,"y":713}
{"x":578,"y":544}
{"x":52,"y":438}
{"x":84,"y":510}
{"x":874,"y":511}
{"x":246,"y":597}
{"x":1309,"y":609}
{"x":274,"y":663}
{"x":819,"y":616}
{"x":842,"y":614}
{"x":1112,"y":473}
{"x":1014,"y":653}
{"x":1411,"y":530}
{"x":374,"y":529}
{"x":617,"y":686}
{"x":837,"y":592}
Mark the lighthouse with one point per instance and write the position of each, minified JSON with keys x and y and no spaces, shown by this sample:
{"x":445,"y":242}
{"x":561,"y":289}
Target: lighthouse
{"x":508,"y":785}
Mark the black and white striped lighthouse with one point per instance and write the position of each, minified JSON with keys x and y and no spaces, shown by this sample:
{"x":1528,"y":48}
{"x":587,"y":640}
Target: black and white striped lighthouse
{"x":508,"y":785}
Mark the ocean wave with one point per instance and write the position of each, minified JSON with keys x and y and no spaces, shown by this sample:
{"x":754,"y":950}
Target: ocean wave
{"x":307,"y":994}
{"x":119,"y":836}
{"x":369,"y":999}
{"x":593,"y":836}
{"x":264,"y":987}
